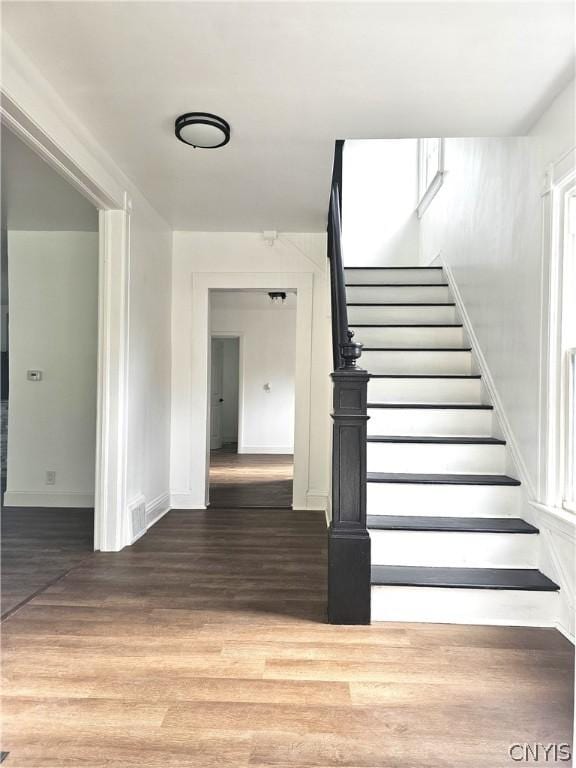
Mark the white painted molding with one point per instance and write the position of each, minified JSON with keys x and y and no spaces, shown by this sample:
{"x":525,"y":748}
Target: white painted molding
{"x":317,"y":501}
{"x":489,"y":383}
{"x":280,"y":449}
{"x":69,"y":499}
{"x":185,"y":500}
{"x":430,"y":193}
{"x":197,"y":443}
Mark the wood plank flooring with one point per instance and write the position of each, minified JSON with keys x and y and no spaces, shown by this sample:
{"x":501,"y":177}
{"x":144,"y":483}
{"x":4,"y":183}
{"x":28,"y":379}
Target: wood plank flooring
{"x":38,"y":546}
{"x":205,"y":645}
{"x":250,"y":480}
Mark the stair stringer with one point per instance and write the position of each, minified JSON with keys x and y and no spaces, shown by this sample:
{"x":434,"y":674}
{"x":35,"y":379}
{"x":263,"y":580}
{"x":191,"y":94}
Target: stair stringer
{"x":552,"y":537}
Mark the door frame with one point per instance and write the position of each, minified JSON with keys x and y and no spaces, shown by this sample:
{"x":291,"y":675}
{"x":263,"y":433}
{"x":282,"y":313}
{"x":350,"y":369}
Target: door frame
{"x":197,"y":447}
{"x":240,"y":337}
{"x":111,"y":526}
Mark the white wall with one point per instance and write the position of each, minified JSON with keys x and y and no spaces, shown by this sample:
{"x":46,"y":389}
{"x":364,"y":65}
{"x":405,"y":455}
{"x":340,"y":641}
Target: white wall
{"x":379,"y":198}
{"x":487,"y":224}
{"x":53,"y":285}
{"x":244,"y":260}
{"x":268,"y":357}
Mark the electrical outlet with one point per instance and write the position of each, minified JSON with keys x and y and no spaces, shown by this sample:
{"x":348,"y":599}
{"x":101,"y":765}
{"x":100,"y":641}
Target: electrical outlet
{"x":50,"y":477}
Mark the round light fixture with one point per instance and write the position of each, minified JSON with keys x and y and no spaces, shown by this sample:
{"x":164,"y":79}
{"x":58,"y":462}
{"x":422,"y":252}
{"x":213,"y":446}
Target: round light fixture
{"x":202,"y":130}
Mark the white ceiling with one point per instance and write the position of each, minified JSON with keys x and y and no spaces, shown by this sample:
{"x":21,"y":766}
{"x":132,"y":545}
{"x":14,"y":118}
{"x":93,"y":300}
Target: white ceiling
{"x":35,"y":197}
{"x":290,"y":77}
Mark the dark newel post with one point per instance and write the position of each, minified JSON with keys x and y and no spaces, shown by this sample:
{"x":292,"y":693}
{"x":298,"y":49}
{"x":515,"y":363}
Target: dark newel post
{"x":348,"y":538}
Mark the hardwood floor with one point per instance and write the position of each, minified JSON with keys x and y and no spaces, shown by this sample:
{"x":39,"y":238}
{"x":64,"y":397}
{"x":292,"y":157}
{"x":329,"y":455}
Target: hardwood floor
{"x":205,"y":645}
{"x":250,"y":480}
{"x":38,"y":546}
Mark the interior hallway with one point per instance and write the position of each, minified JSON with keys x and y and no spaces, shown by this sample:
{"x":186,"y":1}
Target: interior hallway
{"x":205,"y":644}
{"x":250,"y":480}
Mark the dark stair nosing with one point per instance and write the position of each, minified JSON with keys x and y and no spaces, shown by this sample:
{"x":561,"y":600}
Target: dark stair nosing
{"x":401,"y":304}
{"x":345,"y":267}
{"x":435,"y":406}
{"x":429,"y":523}
{"x":397,"y":285}
{"x":406,"y":325}
{"x":425,"y":376}
{"x":525,"y":579}
{"x":435,"y":440}
{"x":418,"y":478}
{"x":417,"y":349}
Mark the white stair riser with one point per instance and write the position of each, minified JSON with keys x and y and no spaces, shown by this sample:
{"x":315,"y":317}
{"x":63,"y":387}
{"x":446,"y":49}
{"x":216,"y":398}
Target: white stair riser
{"x":454,"y":550}
{"x":443,"y":500}
{"x":417,"y":362}
{"x":429,"y":421}
{"x":403,"y":390}
{"x":428,"y":294}
{"x":436,"y":458}
{"x":409,"y":337}
{"x":464,"y":606}
{"x":408,"y":315}
{"x":398,"y":275}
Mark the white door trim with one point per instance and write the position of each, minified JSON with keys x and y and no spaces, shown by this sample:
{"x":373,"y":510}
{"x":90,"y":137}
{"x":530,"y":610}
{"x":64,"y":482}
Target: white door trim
{"x":195,"y":496}
{"x":111,"y":529}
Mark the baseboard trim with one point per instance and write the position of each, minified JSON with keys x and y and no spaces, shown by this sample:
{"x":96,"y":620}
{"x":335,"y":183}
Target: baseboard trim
{"x":157,"y":508}
{"x":72,"y":499}
{"x":317,"y":500}
{"x":184,"y":500}
{"x":284,"y":449}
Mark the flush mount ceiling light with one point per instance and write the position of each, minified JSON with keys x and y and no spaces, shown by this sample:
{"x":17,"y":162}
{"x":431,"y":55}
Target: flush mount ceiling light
{"x":202,"y":130}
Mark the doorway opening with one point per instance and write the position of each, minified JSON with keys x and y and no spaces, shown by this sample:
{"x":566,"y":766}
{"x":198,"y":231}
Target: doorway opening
{"x":252,"y":396}
{"x":50,"y":255}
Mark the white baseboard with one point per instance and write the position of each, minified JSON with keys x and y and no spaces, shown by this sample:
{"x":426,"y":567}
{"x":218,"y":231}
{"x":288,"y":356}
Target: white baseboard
{"x":185,"y":500}
{"x":72,"y":499}
{"x":266,"y":449}
{"x":317,"y":500}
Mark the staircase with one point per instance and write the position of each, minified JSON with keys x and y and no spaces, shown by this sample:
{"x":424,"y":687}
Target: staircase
{"x":447,"y":542}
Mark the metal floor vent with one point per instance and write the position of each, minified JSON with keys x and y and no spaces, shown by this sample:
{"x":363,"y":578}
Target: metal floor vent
{"x":138,"y":516}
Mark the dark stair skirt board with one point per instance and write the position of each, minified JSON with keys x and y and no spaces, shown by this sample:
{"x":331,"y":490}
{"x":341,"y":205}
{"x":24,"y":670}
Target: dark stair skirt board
{"x":411,"y":267}
{"x":528,"y":579}
{"x":428,"y":523}
{"x":426,"y":479}
{"x":397,"y":285}
{"x":464,"y":376}
{"x":436,"y":440}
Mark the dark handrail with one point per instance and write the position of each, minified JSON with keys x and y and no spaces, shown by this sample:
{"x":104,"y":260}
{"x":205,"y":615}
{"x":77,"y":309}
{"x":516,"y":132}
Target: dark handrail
{"x":348,"y":539}
{"x":345,"y":350}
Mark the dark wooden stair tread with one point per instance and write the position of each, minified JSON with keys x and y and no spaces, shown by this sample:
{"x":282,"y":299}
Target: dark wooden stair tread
{"x":435,"y":406}
{"x":417,"y":349}
{"x":435,"y":440}
{"x":447,"y":479}
{"x":396,"y":285}
{"x":425,"y":376}
{"x":411,"y":267}
{"x":401,"y":304}
{"x":529,"y":579}
{"x":450,"y":524}
{"x":406,"y":325}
